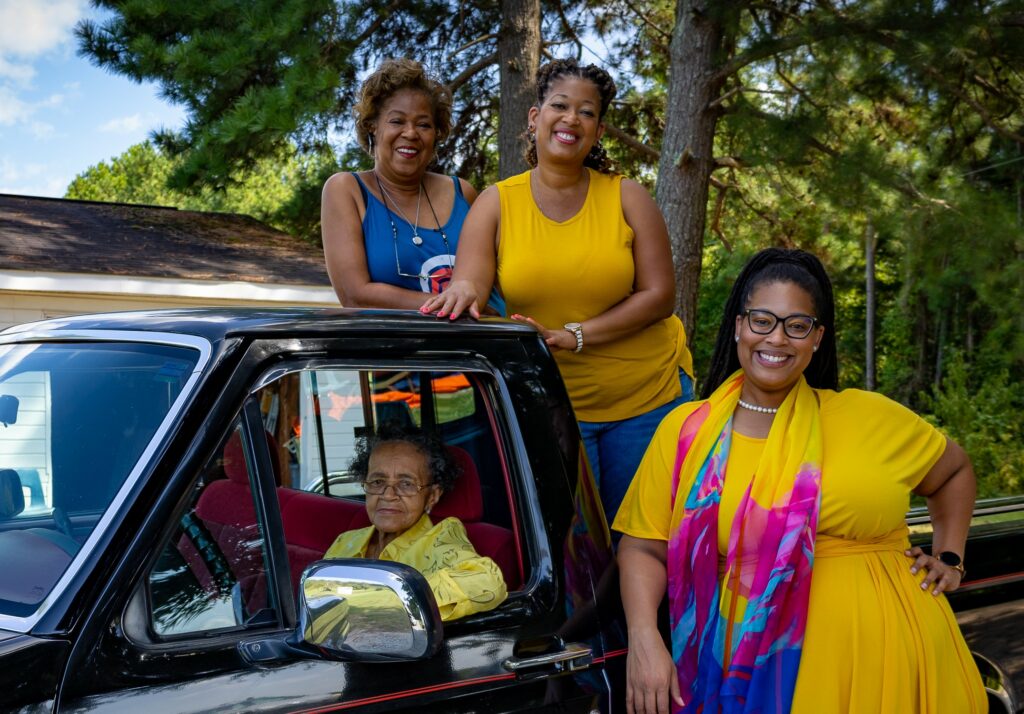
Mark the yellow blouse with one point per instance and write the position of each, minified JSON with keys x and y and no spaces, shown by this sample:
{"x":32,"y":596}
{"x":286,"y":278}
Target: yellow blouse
{"x":570,"y":271}
{"x":462,"y":581}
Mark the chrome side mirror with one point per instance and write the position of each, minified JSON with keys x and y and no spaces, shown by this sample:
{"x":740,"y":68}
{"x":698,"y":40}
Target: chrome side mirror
{"x":368,"y":610}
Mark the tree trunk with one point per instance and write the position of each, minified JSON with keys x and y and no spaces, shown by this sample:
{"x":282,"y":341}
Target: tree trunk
{"x":869,"y":308}
{"x":687,"y":145}
{"x":518,"y":57}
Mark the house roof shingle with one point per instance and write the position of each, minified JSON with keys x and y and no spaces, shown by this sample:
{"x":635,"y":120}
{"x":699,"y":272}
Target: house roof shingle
{"x":71,"y":236}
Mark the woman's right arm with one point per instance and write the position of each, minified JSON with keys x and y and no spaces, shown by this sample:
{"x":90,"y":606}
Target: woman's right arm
{"x":345,"y":250}
{"x":476,"y":261}
{"x":650,"y":672}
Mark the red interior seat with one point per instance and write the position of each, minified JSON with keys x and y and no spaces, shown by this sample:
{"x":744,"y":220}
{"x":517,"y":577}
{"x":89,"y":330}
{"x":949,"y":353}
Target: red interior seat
{"x":228,"y":514}
{"x":465,"y":502}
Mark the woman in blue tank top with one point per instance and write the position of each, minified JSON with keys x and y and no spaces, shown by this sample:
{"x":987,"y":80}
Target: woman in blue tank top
{"x":390,"y":233}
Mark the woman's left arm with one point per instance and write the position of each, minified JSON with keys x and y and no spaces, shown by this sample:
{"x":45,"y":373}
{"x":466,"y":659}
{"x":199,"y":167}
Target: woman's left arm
{"x":654,"y":284}
{"x":950,"y":489}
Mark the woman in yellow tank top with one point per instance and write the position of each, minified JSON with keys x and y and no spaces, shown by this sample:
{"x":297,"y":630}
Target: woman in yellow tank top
{"x":583,"y":255}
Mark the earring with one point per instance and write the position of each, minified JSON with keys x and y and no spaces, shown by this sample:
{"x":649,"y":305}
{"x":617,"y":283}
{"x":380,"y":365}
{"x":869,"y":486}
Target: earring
{"x":738,"y":339}
{"x":814,"y":349}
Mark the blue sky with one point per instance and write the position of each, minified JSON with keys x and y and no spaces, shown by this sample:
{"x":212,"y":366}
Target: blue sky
{"x":59,"y":114}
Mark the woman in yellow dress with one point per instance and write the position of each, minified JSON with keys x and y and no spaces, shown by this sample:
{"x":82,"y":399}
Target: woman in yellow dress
{"x":404,"y":472}
{"x":773,"y":512}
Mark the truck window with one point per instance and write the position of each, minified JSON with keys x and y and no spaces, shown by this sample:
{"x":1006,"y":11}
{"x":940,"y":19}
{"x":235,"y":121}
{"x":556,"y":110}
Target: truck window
{"x":212,"y":574}
{"x":75,"y":418}
{"x":317,"y":416}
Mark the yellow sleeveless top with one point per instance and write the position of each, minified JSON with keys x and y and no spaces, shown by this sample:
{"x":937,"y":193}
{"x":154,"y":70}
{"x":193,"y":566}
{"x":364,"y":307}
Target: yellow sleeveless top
{"x":570,"y":271}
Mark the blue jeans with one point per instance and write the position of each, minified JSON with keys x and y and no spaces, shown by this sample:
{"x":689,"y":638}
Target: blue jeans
{"x":615,"y":448}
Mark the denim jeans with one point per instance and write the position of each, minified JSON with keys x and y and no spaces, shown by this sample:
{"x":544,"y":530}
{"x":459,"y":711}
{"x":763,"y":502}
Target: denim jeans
{"x":615,"y":448}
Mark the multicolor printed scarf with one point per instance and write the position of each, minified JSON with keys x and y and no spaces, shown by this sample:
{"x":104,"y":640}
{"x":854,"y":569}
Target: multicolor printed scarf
{"x":737,"y":646}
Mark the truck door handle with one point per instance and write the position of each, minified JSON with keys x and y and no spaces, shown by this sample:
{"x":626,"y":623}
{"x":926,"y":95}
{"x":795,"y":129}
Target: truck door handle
{"x":571,"y":657}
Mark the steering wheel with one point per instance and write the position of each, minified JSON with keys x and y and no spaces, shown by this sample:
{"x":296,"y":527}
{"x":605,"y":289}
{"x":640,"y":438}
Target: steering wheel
{"x":63,"y":523}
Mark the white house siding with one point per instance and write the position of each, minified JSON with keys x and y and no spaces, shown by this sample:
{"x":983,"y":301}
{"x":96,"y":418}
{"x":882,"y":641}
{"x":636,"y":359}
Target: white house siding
{"x":339,"y":418}
{"x":27,"y":297}
{"x":26,"y":443}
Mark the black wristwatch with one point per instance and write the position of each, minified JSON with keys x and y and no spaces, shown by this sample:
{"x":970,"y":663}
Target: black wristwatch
{"x":952,"y":560}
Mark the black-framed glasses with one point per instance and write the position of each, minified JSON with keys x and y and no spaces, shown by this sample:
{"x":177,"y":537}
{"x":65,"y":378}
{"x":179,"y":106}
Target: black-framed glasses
{"x":402,"y":487}
{"x":763,"y":322}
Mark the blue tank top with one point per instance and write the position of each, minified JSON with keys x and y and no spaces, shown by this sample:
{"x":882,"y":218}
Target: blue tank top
{"x":427,"y":267}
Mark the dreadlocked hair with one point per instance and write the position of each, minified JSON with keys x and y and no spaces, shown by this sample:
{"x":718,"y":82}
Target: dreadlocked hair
{"x":548,"y":73}
{"x":769,"y":266}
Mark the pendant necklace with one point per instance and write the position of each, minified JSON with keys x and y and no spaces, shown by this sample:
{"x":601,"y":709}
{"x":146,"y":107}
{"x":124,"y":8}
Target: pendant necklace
{"x":416,"y":240}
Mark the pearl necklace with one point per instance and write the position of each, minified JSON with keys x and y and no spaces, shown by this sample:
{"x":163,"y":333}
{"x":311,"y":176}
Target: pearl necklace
{"x":756,"y":408}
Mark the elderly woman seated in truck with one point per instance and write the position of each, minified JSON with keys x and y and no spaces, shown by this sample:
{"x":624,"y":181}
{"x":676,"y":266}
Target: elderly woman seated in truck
{"x":404,"y":472}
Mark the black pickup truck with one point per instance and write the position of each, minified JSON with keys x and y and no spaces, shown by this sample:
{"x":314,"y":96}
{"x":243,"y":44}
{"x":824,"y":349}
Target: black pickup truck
{"x":169,"y":482}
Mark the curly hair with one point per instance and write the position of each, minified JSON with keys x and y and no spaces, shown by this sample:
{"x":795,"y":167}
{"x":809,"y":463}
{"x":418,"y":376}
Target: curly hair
{"x":441,"y":465}
{"x":547,"y":74}
{"x":779,"y":265}
{"x":392,"y":76}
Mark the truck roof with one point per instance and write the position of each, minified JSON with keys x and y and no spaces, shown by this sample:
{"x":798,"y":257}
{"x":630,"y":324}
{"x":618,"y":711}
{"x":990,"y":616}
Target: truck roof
{"x":216,"y":324}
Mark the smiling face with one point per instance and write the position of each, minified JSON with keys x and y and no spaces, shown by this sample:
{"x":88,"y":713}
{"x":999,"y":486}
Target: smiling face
{"x":567,"y":123}
{"x":397,"y":461}
{"x":404,"y":135}
{"x":774,"y":362}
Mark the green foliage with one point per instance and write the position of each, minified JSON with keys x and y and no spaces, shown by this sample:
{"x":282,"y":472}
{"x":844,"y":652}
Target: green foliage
{"x":897,"y":118}
{"x":985,"y":415}
{"x":277,"y":189}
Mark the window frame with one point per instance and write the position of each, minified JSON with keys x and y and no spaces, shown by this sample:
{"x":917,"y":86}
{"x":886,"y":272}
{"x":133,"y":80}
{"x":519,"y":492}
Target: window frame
{"x":86,"y":554}
{"x":138,"y":626}
{"x":529,"y":533}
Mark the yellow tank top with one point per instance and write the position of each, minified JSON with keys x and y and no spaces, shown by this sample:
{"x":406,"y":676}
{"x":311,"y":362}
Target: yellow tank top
{"x":570,"y":271}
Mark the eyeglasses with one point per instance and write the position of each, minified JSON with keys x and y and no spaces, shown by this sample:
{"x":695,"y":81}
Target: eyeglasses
{"x":763,"y":322}
{"x":402,"y":487}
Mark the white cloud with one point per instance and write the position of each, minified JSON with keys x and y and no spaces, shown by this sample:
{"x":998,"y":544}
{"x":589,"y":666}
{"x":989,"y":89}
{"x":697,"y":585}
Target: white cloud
{"x":41,"y":130}
{"x":12,"y":109}
{"x":54,"y":100}
{"x":16,"y":71}
{"x":125,"y":125}
{"x":30,"y":28}
{"x":31,"y":179}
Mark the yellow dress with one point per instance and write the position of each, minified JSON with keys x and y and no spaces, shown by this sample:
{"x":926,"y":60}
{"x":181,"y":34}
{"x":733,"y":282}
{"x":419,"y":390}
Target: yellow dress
{"x":875,"y":641}
{"x":463,"y":582}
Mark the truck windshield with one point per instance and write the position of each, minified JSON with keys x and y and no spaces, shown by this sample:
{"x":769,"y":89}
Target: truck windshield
{"x":74,"y":420}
